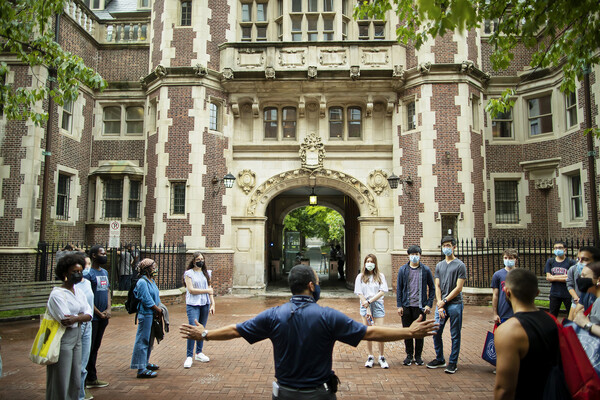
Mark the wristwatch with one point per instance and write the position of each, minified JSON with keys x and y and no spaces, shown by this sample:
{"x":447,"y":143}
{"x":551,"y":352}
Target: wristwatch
{"x":204,"y":335}
{"x":588,"y":326}
{"x":445,"y":300}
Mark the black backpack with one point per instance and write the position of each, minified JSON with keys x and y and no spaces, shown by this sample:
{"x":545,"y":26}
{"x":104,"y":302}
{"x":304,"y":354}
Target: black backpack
{"x":132,"y":302}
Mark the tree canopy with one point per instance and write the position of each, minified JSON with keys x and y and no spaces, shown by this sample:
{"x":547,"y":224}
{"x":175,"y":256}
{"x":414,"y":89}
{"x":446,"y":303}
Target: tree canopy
{"x":563,"y":33}
{"x":26,"y":33}
{"x":316,"y":221}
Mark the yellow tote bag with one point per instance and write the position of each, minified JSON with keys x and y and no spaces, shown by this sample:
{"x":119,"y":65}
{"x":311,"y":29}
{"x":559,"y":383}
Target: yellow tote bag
{"x":46,"y":346}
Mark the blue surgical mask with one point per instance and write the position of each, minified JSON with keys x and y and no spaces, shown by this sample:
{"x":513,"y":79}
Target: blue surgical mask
{"x":447,"y":251}
{"x":559,"y":253}
{"x":317,"y":293}
{"x":509,"y":263}
{"x":579,"y":267}
{"x":414,"y":259}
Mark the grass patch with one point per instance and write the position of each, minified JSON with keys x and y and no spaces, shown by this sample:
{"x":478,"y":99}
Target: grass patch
{"x":24,"y":311}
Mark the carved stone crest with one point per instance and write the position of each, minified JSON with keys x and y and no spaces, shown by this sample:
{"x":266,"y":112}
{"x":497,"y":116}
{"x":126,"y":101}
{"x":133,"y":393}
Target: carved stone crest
{"x":378,"y":181}
{"x":544,"y":183}
{"x":398,"y":72}
{"x":312,"y":152}
{"x":354,"y":72}
{"x":246,"y":180}
{"x":227,"y":73}
{"x":312,"y":72}
{"x":160,"y":71}
{"x":270,"y":73}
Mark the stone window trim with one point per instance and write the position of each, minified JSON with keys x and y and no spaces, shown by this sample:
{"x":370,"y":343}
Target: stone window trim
{"x":66,"y":117}
{"x":98,"y":192}
{"x":564,"y":181}
{"x":345,"y":120}
{"x":522,"y":191}
{"x":73,"y":126}
{"x":537,"y":116}
{"x":281,"y":124}
{"x":404,"y":104}
{"x":178,"y":199}
{"x":498,"y":126}
{"x":125,"y":120}
{"x":254,"y":17}
{"x":571,"y":111}
{"x":67,"y":214}
{"x":185,"y":13}
{"x":475,"y":102}
{"x":220,"y":118}
{"x":144,"y":4}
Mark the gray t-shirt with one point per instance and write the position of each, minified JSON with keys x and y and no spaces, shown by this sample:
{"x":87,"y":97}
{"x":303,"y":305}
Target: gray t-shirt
{"x":448,"y":274}
{"x":595,"y":313}
{"x":125,"y":267}
{"x":414,"y":275}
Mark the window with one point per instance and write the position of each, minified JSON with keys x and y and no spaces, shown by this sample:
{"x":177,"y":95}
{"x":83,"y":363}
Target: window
{"x":62,"y":196}
{"x":123,"y":119}
{"x":354,"y":122}
{"x":297,"y":6}
{"x":289,"y":123}
{"x":327,"y":5}
{"x":152,"y":114}
{"x":313,"y":6}
{"x":177,"y":198}
{"x":369,"y":30}
{"x":507,"y":202}
{"x":67,"y":116}
{"x":271,"y":125}
{"x":311,"y":20}
{"x":254,"y":15}
{"x":475,"y":112}
{"x":261,"y":12}
{"x":502,"y":125}
{"x":379,"y":30}
{"x":186,"y":13}
{"x":411,"y":116}
{"x":571,"y":106}
{"x":246,"y":12}
{"x":296,"y":29}
{"x":144,"y":3}
{"x":327,"y":28}
{"x":213,"y":123}
{"x":135,"y":200}
{"x":336,"y":123}
{"x":313,"y":34}
{"x":540,"y":115}
{"x":113,"y":198}
{"x":575,"y":196}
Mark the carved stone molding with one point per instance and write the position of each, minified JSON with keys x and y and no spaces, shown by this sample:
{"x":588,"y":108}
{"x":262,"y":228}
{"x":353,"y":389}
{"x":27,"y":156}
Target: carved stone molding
{"x":374,"y":57}
{"x":312,"y":152}
{"x":424,"y":68}
{"x":270,"y":73}
{"x":301,"y":107}
{"x":248,"y":58}
{"x":323,"y":107}
{"x":544,"y":183}
{"x":312,"y":72}
{"x":200,"y":70}
{"x":390,"y":108}
{"x":332,"y":57}
{"x":354,"y":72}
{"x":398,"y":72}
{"x":467,"y":67}
{"x":255,"y":109}
{"x":291,"y":57}
{"x":160,"y":71}
{"x":378,"y":181}
{"x":246,"y":180}
{"x":346,"y":183}
{"x":235,"y":109}
{"x":227,"y":73}
{"x":369,"y":110}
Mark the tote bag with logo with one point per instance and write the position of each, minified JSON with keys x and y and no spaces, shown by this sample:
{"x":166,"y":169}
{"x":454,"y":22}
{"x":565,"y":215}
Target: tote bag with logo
{"x":46,"y":346}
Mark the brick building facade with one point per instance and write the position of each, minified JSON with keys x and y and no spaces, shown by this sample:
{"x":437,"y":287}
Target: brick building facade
{"x":198,"y":89}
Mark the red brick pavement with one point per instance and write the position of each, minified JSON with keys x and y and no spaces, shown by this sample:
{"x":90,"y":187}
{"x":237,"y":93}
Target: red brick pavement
{"x":238,"y":370}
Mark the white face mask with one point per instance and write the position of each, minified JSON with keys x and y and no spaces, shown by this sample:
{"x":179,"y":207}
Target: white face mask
{"x":414,"y":259}
{"x":370,"y":266}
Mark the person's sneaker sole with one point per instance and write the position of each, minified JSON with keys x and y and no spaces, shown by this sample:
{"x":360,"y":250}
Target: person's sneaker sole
{"x":436,"y":366}
{"x":419,"y":362}
{"x":451,"y":371}
{"x":95,"y":385}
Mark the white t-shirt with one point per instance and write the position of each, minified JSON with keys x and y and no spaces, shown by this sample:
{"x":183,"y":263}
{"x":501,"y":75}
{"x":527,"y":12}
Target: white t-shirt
{"x":86,"y":287}
{"x":198,"y":282}
{"x":63,"y":302}
{"x":371,"y":288}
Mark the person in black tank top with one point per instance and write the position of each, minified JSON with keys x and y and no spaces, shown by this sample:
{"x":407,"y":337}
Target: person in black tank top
{"x":527,"y":344}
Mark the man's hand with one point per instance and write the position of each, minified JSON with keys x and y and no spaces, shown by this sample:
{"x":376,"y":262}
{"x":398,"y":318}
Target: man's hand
{"x":496,"y":319}
{"x":420,"y":328}
{"x":212,"y":308}
{"x":400,"y":311}
{"x":441,"y":304}
{"x":427,"y":310}
{"x":581,"y":319}
{"x":441,"y":313}
{"x":192,"y":332}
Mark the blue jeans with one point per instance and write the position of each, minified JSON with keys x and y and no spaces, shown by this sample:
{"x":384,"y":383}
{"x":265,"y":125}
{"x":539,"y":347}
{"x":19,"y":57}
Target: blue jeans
{"x":199,"y":313}
{"x":454,"y":313}
{"x":142,"y":348}
{"x":86,"y":344}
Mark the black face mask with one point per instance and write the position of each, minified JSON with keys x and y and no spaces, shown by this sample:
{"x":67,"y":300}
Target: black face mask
{"x":200,"y":264}
{"x":76,"y":277}
{"x":584,"y":284}
{"x":102,"y":260}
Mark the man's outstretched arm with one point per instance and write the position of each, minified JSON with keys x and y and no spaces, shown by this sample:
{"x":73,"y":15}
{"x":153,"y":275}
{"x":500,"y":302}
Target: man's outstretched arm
{"x":195,"y":332}
{"x":418,"y":329}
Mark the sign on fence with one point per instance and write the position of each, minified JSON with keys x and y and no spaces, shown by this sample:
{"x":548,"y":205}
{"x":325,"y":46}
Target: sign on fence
{"x":114,"y":235}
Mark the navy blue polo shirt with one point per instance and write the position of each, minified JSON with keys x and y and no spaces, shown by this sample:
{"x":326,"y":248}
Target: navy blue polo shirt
{"x":303,"y":335}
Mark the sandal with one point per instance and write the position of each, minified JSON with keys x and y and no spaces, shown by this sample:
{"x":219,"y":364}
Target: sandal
{"x":152,"y":367}
{"x":146,"y":374}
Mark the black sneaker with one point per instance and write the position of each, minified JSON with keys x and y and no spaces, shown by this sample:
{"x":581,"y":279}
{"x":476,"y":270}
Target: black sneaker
{"x":419,"y":361}
{"x":407,"y":361}
{"x":436,"y":364}
{"x":451,"y":369}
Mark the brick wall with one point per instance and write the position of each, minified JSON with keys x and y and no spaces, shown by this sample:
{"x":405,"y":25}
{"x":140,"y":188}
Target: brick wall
{"x":444,"y":49}
{"x":183,"y":41}
{"x":18,"y":267}
{"x":132,"y":65}
{"x":218,"y":25}
{"x":158,"y":10}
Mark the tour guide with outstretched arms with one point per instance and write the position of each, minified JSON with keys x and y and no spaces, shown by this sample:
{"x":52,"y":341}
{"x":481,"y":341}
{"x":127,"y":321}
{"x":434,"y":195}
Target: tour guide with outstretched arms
{"x":303,"y":335}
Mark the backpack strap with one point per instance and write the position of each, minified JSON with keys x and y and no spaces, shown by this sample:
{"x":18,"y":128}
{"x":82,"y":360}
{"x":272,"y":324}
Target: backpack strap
{"x":588,"y":311}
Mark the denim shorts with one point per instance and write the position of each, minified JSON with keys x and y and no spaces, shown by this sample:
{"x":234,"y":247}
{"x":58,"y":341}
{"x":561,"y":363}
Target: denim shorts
{"x":377,"y":310}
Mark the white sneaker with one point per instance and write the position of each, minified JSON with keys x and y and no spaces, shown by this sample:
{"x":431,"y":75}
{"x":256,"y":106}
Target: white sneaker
{"x":382,"y":362}
{"x":202,"y":358}
{"x":188,"y":362}
{"x":369,"y":363}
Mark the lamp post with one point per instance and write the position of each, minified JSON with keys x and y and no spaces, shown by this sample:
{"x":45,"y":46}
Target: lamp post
{"x":228,"y":181}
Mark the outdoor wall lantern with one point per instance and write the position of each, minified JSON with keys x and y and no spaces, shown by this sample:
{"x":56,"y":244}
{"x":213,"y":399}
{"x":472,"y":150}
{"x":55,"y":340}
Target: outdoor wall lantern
{"x":394,"y":180}
{"x":228,"y":181}
{"x":312,"y":199}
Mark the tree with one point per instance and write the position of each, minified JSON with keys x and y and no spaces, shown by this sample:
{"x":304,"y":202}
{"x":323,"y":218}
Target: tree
{"x":563,"y":33}
{"x":26,"y":32}
{"x":316,"y":221}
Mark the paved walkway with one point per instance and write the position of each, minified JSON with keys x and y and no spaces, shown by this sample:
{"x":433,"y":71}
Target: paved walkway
{"x":238,"y":370}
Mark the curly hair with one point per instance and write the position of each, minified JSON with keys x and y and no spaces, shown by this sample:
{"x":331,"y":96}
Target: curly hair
{"x":67,"y":261}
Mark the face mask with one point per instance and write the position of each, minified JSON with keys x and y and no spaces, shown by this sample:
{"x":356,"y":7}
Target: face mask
{"x":579,"y":267}
{"x":447,"y":251}
{"x":559,"y":253}
{"x":414,"y":259}
{"x":584,"y":284}
{"x":509,"y":263}
{"x":317,"y":293}
{"x":200,"y":264}
{"x":76,"y":277}
{"x":370,"y":266}
{"x":102,"y":260}
{"x":154,"y":273}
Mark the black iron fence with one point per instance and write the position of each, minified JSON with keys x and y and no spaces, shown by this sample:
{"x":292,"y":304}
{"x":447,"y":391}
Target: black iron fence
{"x":170,"y":258}
{"x":483,"y":257}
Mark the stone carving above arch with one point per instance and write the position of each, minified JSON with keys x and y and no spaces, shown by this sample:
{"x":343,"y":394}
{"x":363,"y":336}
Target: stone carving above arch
{"x":246,"y":180}
{"x":312,"y":152}
{"x":378,"y":181}
{"x":304,"y":178}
